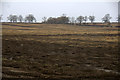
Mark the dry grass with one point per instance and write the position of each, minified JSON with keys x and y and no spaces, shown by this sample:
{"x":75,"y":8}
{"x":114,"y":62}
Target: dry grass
{"x":56,"y":51}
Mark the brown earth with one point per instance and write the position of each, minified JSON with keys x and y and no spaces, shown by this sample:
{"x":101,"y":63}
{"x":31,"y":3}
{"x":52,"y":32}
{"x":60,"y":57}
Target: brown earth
{"x":56,"y":51}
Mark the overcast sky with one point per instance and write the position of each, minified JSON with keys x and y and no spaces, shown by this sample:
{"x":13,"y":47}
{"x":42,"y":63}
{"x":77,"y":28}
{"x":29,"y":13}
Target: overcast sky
{"x":55,"y":8}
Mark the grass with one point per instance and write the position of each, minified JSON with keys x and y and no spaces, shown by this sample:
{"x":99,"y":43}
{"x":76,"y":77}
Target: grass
{"x":57,"y":51}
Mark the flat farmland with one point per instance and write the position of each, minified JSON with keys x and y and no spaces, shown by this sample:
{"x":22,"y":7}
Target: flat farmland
{"x":59,"y":51}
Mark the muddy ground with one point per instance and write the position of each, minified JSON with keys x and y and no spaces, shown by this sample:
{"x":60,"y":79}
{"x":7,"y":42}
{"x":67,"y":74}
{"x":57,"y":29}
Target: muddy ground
{"x":63,"y":52}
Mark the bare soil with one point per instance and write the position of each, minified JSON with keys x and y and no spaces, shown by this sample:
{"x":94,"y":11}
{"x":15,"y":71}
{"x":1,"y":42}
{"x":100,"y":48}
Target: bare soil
{"x":56,"y":51}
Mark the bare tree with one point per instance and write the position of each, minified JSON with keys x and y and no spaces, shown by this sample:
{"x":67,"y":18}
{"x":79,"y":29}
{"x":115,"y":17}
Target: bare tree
{"x":15,"y":18}
{"x":85,"y":18}
{"x":0,"y":18}
{"x":80,"y":19}
{"x":118,"y":18}
{"x":44,"y":19}
{"x":106,"y":18}
{"x":92,"y":18}
{"x":30,"y":18}
{"x":72,"y":20}
{"x":75,"y":21}
{"x":20,"y":18}
{"x":12,"y":18}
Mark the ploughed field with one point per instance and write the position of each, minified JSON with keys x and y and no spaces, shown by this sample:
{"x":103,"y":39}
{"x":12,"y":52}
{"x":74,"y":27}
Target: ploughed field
{"x":56,"y":51}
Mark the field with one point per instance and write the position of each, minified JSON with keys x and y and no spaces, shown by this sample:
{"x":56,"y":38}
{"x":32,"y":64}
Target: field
{"x":59,"y":51}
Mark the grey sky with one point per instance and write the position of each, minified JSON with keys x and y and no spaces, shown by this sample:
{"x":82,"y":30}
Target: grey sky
{"x":55,"y":8}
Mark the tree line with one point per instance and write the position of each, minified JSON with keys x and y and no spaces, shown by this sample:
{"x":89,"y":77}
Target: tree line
{"x":59,"y":20}
{"x":29,"y":18}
